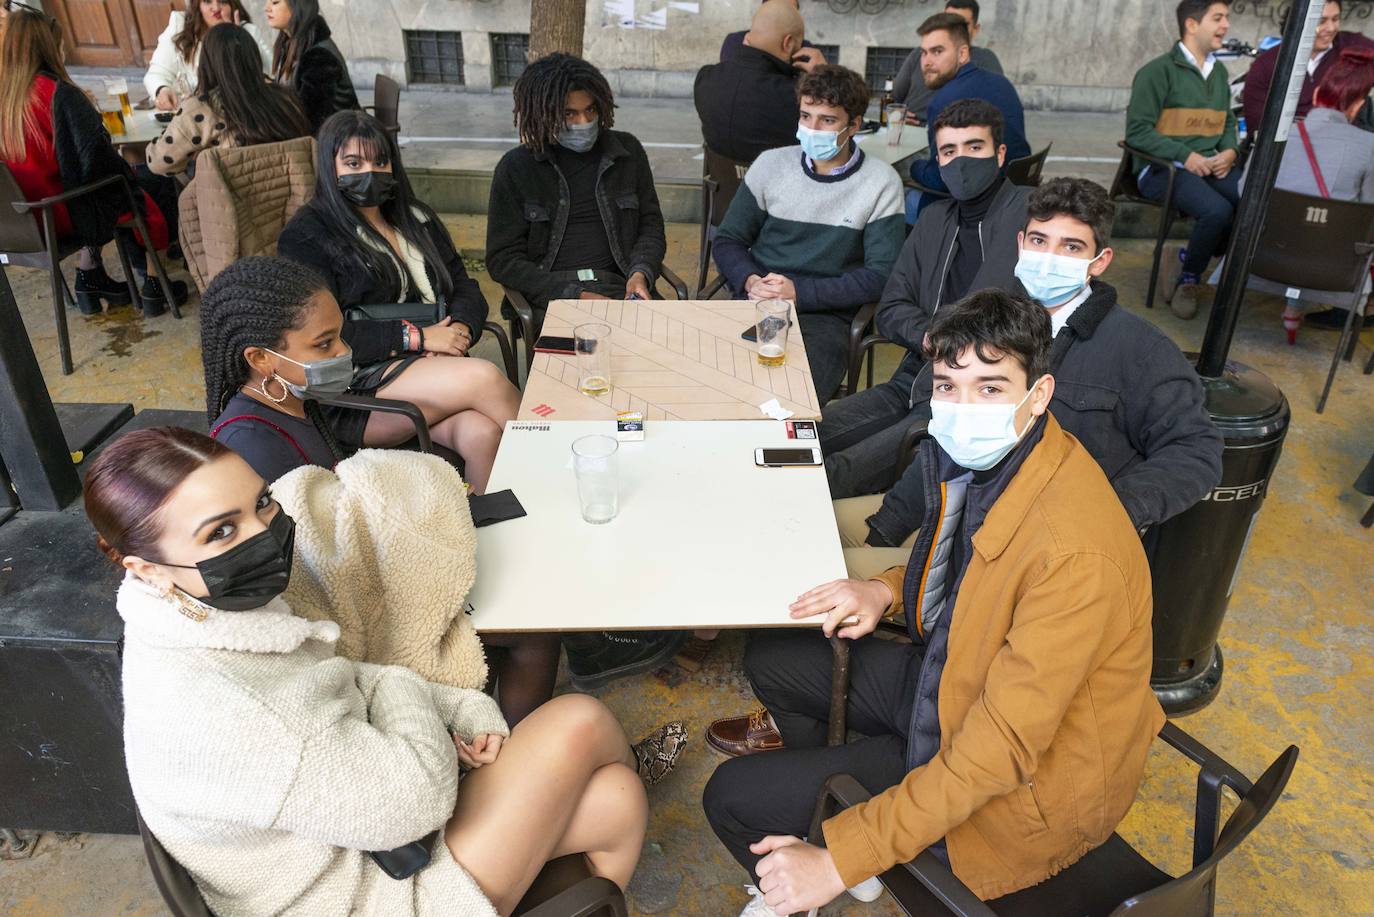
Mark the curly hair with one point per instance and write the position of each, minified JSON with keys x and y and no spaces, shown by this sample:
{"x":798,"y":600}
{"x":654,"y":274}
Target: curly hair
{"x":835,"y":86}
{"x":995,"y":324}
{"x":251,"y":303}
{"x":1083,"y":200}
{"x":542,"y":90}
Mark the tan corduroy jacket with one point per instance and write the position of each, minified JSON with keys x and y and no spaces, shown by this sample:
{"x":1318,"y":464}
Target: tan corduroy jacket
{"x":1046,"y":714}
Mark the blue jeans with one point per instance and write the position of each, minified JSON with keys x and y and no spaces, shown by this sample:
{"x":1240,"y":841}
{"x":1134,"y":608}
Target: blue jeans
{"x":1211,"y":202}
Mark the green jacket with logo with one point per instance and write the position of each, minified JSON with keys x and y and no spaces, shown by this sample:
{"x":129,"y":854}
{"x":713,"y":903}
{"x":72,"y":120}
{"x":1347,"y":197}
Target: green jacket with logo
{"x":1174,"y":111}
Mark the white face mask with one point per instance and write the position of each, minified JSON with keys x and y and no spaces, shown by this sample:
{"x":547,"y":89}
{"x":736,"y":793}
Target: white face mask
{"x":1051,"y":279}
{"x":976,"y":436}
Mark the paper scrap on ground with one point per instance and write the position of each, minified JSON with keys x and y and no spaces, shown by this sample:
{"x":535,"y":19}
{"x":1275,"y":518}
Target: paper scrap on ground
{"x":775,"y":410}
{"x":685,"y":7}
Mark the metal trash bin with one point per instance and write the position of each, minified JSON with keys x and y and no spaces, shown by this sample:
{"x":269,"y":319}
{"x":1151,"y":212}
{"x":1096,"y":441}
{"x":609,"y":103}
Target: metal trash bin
{"x":1195,"y":557}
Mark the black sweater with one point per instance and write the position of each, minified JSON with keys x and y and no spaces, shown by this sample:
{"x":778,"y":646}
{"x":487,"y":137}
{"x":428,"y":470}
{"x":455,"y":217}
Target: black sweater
{"x":321,"y":79}
{"x":313,"y":239}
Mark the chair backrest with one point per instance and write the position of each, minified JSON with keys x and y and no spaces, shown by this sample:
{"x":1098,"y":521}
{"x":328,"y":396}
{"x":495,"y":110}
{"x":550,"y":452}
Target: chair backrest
{"x":1124,"y":185}
{"x":386,"y":101}
{"x":178,"y":889}
{"x":240,"y":200}
{"x":1027,"y":170}
{"x":18,"y":231}
{"x":1195,"y":892}
{"x":727,"y":174}
{"x":1315,"y":243}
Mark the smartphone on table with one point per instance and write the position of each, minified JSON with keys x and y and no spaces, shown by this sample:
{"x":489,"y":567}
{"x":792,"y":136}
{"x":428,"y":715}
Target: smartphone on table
{"x":793,"y":457}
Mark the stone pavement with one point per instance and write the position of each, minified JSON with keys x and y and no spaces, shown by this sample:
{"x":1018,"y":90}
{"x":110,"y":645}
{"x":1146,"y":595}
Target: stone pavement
{"x":1297,"y":640}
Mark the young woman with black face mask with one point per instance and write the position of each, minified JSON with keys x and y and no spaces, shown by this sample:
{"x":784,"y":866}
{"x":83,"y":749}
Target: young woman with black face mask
{"x":269,"y":766}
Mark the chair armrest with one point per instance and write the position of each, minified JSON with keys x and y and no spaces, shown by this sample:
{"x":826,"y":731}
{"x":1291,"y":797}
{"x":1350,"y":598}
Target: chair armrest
{"x":712,"y":288}
{"x":496,"y":330}
{"x":45,"y":203}
{"x":590,"y":896}
{"x":1214,"y":773}
{"x":842,"y":791}
{"x":521,"y":306}
{"x":907,"y":451}
{"x":1148,"y":157}
{"x":678,"y":284}
{"x":384,"y":406}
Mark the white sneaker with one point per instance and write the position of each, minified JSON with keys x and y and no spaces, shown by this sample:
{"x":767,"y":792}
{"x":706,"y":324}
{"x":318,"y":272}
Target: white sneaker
{"x":867,"y":891}
{"x":757,"y":907}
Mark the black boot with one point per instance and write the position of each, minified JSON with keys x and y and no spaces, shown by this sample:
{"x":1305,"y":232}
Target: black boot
{"x":598,"y":659}
{"x":94,"y":285}
{"x":154,"y":302}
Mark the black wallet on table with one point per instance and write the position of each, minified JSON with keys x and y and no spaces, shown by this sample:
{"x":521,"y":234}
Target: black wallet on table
{"x":489,"y":509}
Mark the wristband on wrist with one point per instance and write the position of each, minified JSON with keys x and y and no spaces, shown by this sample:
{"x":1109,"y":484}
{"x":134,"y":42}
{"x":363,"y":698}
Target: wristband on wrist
{"x":420,"y":333}
{"x":408,"y":338}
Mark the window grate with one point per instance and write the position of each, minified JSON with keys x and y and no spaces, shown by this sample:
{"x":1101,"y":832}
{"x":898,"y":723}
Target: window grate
{"x":434,"y":57}
{"x":509,"y":54}
{"x":882,"y":65}
{"x":831,"y":52}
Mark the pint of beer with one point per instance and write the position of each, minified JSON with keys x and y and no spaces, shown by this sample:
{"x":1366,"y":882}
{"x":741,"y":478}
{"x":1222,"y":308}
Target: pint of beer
{"x":112,"y":115}
{"x":119,"y":88}
{"x":771,"y":326}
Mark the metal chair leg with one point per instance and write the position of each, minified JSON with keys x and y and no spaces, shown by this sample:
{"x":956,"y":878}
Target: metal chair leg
{"x":59,"y":306}
{"x":67,"y":290}
{"x":1369,"y":367}
{"x":1346,"y":340}
{"x":839,"y":692}
{"x":123,"y":240}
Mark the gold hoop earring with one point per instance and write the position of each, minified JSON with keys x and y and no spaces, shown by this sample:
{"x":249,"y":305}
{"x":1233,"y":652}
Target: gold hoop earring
{"x":268,"y":395}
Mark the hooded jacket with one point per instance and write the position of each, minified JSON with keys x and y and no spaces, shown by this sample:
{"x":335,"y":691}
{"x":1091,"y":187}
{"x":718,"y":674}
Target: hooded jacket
{"x":1044,"y":709}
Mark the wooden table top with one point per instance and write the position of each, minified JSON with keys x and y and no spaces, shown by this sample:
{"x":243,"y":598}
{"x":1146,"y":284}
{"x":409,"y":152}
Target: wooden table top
{"x":672,"y":360}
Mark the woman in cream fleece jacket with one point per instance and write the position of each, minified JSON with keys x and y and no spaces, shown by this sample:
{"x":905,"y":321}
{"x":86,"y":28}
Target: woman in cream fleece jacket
{"x":268,"y":766}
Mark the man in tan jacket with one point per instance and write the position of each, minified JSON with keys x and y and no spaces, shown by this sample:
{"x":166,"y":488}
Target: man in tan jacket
{"x":1010,"y":736}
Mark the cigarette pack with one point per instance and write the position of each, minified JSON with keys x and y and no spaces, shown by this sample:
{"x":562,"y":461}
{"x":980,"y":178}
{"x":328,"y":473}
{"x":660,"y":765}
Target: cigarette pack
{"x":629,"y":426}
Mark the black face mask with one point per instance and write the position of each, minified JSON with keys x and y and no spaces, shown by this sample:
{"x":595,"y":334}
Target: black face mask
{"x":249,"y":575}
{"x":368,"y":189}
{"x":966,"y":177}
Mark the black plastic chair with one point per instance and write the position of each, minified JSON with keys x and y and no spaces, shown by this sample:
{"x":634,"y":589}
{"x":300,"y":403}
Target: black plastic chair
{"x":1027,"y":170}
{"x":720,"y":181}
{"x":564,"y":888}
{"x":1110,"y":880}
{"x":1365,"y":485}
{"x":522,"y":324}
{"x":386,"y":104}
{"x":863,"y":337}
{"x":1319,"y":243}
{"x":24,"y":245}
{"x":1125,"y":189}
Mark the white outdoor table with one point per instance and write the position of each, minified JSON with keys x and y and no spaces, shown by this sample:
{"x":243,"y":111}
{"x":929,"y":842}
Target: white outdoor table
{"x":912,"y":142}
{"x":139,"y":128}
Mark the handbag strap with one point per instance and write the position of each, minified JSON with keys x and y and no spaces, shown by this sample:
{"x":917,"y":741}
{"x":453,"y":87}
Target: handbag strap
{"x":1312,"y":159}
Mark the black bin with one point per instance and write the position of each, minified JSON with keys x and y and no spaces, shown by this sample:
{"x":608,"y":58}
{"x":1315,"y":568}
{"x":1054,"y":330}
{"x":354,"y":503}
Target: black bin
{"x":1195,"y":557}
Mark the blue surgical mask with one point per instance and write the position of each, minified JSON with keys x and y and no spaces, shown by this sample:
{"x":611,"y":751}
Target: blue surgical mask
{"x":579,"y":138}
{"x":330,"y":376}
{"x":976,"y":436}
{"x":819,"y":145}
{"x":1051,"y":279}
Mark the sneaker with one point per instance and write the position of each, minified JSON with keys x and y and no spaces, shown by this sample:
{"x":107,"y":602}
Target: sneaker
{"x":1187,"y":292}
{"x":95,"y":285}
{"x":867,"y":891}
{"x":757,"y":907}
{"x":598,"y":659}
{"x":154,"y":302}
{"x":656,"y":754}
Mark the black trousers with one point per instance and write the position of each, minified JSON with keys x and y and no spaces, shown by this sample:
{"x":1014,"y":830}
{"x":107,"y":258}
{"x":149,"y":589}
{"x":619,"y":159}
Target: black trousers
{"x":775,"y":792}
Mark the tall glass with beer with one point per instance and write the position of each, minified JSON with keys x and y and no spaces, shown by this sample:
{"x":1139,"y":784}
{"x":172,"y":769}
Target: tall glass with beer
{"x":592,"y":343}
{"x":119,"y":89}
{"x":771,"y":326}
{"x":112,"y":115}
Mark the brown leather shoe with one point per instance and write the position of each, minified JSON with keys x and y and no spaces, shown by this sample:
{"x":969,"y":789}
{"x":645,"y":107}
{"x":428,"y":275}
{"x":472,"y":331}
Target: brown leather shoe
{"x":744,"y":735}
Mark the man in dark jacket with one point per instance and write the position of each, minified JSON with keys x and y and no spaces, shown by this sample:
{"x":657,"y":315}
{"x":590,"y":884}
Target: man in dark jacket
{"x":733,"y":42}
{"x":909,"y":87}
{"x":1122,"y":389}
{"x":947,"y":69}
{"x":959,"y":245}
{"x":749,"y":104}
{"x":573,"y":210}
{"x":1327,"y":46}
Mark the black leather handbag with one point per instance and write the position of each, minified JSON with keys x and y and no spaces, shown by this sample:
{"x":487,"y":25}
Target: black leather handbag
{"x":419,"y":313}
{"x":404,"y":862}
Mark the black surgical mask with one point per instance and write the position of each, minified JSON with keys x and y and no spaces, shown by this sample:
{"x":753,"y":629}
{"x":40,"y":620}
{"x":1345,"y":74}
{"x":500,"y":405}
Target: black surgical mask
{"x":249,"y":575}
{"x":966,"y":177}
{"x":368,"y":189}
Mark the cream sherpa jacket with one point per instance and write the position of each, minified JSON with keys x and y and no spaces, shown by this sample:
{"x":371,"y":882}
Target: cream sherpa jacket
{"x":385,"y":547}
{"x":266,"y":765}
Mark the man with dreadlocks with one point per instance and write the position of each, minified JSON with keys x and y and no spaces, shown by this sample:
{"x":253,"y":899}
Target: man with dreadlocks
{"x":573,"y":210}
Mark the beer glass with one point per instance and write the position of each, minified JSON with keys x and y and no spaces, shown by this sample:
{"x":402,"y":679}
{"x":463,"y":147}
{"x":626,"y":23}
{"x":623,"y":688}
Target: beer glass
{"x":111,"y":114}
{"x":119,"y":88}
{"x":896,"y":117}
{"x":771,"y":321}
{"x":594,"y":463}
{"x":592,"y":342}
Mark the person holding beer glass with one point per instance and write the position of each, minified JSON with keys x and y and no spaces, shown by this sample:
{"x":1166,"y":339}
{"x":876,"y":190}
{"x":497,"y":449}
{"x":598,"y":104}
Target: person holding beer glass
{"x":173,"y":72}
{"x":52,"y":138}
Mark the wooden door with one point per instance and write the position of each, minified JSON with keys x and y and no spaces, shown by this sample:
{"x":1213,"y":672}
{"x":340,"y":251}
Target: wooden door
{"x":96,"y":30}
{"x":148,"y":20}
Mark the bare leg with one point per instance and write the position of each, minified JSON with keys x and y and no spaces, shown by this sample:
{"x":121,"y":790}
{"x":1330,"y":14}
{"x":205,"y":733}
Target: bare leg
{"x":546,"y":796}
{"x":525,"y":668}
{"x":466,"y":402}
{"x":89,"y":258}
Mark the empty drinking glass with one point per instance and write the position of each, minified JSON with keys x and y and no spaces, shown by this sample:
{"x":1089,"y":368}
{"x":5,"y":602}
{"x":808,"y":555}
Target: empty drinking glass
{"x":771,"y":321}
{"x":593,"y":345}
{"x":896,"y":118}
{"x":594,"y":462}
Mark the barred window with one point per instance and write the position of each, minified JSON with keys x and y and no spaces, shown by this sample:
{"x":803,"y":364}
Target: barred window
{"x":509,"y":54}
{"x":434,"y":57}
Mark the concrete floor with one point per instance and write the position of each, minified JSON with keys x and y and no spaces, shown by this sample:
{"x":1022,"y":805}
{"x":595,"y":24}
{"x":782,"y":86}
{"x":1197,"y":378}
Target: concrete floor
{"x":1297,"y":642}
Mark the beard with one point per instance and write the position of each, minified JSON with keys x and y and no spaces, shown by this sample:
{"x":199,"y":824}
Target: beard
{"x":935,"y":81}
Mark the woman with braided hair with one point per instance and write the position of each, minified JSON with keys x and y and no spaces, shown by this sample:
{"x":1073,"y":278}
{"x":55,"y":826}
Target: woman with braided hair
{"x":271,"y":333}
{"x":603,"y":238}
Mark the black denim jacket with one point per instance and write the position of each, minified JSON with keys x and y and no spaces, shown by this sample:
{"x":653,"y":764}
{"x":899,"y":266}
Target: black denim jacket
{"x":528,"y":214}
